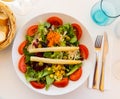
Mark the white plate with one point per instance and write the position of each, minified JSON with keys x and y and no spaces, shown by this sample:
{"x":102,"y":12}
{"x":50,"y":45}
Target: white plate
{"x":87,"y":64}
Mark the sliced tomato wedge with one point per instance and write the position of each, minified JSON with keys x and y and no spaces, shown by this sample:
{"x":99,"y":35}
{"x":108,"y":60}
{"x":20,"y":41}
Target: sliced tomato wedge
{"x":21,"y":47}
{"x":64,"y":82}
{"x":76,"y":75}
{"x":54,"y":20}
{"x":21,"y":65}
{"x":32,"y":30}
{"x":84,"y":51}
{"x":37,"y":85}
{"x":78,"y":30}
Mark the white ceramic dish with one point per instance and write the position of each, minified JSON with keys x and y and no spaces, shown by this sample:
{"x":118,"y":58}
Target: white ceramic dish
{"x":87,"y":64}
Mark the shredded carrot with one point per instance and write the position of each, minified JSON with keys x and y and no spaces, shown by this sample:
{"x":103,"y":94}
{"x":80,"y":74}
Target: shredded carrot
{"x":53,"y":38}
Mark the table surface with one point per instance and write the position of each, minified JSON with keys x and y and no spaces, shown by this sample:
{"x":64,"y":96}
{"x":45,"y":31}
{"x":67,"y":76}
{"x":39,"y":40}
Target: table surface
{"x":11,"y":86}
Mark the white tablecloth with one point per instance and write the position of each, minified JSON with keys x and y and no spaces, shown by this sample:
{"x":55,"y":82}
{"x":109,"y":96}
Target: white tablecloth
{"x":11,"y":86}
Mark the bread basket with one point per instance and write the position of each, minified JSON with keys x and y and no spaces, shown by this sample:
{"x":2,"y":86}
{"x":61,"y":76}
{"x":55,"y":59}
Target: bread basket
{"x":11,"y":25}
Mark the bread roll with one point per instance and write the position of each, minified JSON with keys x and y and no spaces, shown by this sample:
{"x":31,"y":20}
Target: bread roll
{"x":4,"y":28}
{"x":3,"y":19}
{"x":3,"y":32}
{"x":2,"y":36}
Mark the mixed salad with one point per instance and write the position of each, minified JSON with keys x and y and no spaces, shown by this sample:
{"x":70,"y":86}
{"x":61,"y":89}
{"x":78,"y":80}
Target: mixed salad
{"x":51,"y":53}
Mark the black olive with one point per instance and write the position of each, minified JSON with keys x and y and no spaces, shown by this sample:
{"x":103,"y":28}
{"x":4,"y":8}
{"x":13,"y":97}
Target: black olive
{"x":68,"y":43}
{"x":43,"y":44}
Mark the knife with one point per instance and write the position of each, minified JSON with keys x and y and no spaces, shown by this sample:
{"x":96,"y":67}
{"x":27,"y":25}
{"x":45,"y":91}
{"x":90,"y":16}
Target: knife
{"x":105,"y":51}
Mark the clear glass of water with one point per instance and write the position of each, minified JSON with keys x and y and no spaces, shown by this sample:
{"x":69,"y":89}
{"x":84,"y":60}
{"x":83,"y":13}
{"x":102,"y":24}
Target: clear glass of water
{"x":105,"y":12}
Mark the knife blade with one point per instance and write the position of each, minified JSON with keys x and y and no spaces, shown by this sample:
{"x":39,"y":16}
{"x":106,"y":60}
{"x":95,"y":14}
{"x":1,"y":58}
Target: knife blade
{"x":105,"y":51}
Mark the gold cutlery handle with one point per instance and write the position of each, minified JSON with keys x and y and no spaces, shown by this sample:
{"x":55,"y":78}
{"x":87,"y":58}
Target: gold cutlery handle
{"x":95,"y":79}
{"x":101,"y":87}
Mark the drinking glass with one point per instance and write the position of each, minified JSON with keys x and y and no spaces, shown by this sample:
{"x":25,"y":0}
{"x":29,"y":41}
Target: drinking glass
{"x":105,"y":12}
{"x":20,"y":7}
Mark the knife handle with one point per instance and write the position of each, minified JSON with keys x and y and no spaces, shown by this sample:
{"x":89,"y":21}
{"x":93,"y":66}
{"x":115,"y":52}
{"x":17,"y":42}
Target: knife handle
{"x":95,"y":79}
{"x":101,"y":87}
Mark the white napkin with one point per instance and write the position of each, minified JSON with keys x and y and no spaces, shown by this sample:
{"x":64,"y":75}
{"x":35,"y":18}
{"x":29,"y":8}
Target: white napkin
{"x":115,"y":49}
{"x":116,"y":55}
{"x":107,"y":68}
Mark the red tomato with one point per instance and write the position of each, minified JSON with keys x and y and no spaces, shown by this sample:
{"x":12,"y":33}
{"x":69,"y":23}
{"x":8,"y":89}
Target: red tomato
{"x":84,"y":51}
{"x":22,"y":66}
{"x":56,"y":21}
{"x":78,"y":30}
{"x":64,"y":82}
{"x":76,"y":75}
{"x":37,"y":85}
{"x":21,"y":46}
{"x":32,"y":30}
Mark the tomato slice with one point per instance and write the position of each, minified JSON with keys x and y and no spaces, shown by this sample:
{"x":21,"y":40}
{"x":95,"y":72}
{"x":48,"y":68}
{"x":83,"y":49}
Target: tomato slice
{"x":64,"y":82}
{"x":21,"y":47}
{"x":37,"y":85}
{"x":32,"y":30}
{"x":76,"y":75}
{"x":84,"y":51}
{"x":56,"y":21}
{"x":21,"y":65}
{"x":78,"y":30}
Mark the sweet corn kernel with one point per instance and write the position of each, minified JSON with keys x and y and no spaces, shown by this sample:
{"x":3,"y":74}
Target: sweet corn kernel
{"x":49,"y":69}
{"x":51,"y":76}
{"x":58,"y":78}
{"x":40,"y":63}
{"x":57,"y":73}
{"x":53,"y":70}
{"x":62,"y":72}
{"x":59,"y":67}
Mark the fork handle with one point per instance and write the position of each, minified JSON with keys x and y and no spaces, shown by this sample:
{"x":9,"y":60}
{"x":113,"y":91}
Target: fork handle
{"x":95,"y":79}
{"x":101,"y":87}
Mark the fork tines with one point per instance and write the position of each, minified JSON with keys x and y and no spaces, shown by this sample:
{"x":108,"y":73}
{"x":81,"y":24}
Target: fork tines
{"x":98,"y":41}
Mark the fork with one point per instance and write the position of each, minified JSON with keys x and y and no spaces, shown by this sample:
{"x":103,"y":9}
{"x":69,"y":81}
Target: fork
{"x":98,"y":43}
